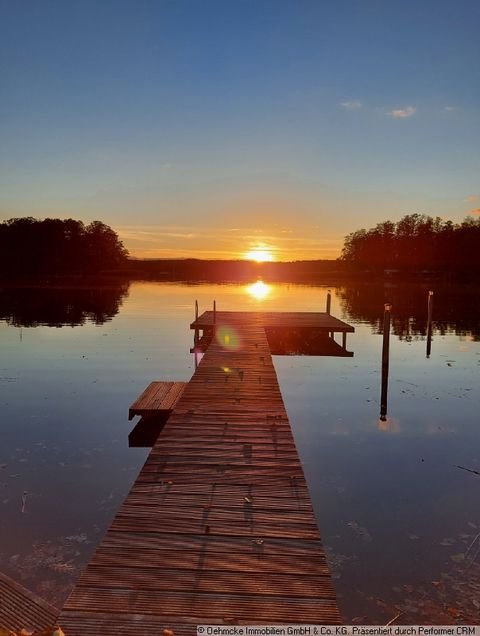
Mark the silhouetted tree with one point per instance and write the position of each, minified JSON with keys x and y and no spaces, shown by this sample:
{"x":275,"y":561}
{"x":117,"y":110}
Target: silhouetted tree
{"x":30,"y":246}
{"x":416,"y":242}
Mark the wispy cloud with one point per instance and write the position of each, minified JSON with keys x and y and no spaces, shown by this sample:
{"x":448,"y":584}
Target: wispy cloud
{"x":449,"y":109}
{"x":472,"y":198}
{"x":353,"y":104}
{"x":402,"y":113}
{"x":474,"y":212}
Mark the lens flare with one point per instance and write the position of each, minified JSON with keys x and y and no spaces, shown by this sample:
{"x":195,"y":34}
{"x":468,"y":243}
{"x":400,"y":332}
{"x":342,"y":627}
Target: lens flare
{"x":227,"y":337}
{"x":258,"y":290}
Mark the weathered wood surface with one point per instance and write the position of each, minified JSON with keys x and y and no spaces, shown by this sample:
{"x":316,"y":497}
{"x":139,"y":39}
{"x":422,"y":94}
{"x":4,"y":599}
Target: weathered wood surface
{"x":22,"y":609}
{"x":274,"y":319}
{"x":157,"y":397}
{"x":219,"y":526}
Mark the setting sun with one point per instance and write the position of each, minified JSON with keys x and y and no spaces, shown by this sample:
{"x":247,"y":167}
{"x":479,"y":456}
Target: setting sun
{"x":260,"y":254}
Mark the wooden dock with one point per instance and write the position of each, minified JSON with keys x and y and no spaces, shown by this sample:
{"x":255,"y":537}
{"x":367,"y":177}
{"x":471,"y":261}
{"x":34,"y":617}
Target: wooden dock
{"x":274,"y":319}
{"x":219,"y":526}
{"x":22,"y":609}
{"x":288,"y":333}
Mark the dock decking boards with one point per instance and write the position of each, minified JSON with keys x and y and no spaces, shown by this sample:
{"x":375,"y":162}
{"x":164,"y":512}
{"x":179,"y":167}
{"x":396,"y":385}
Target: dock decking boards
{"x":218,"y":527}
{"x":271,"y":319}
{"x":158,"y":397}
{"x":22,"y":609}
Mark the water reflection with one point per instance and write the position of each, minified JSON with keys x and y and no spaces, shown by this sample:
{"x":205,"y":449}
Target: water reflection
{"x":395,"y":512}
{"x":59,"y":306}
{"x":388,"y":425}
{"x":304,"y":342}
{"x":457,"y":308}
{"x":258,"y":290}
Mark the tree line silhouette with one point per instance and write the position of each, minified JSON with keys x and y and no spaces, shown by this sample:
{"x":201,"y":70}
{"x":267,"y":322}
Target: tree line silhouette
{"x":417,"y":242}
{"x":33,"y":247}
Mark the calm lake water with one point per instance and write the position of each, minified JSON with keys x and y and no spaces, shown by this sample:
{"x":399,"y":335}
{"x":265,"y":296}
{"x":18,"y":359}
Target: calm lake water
{"x":400,"y":521}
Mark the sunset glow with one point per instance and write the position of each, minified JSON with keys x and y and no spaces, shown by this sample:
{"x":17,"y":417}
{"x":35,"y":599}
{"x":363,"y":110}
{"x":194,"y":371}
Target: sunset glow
{"x":233,"y":151}
{"x":260,"y":254}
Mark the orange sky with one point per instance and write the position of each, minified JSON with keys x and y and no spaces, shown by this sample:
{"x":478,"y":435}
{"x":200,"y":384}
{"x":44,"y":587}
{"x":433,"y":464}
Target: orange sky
{"x":227,"y":243}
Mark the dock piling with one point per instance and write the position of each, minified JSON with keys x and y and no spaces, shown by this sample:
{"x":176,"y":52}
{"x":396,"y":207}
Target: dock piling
{"x":429,"y":322}
{"x":329,"y":301}
{"x":385,"y":361}
{"x":196,"y":333}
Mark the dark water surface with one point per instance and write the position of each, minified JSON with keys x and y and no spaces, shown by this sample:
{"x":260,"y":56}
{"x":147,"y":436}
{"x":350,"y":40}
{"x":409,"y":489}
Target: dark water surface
{"x":399,"y":519}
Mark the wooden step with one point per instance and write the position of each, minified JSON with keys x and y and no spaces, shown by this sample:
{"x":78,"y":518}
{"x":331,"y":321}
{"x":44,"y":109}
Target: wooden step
{"x":159,"y":397}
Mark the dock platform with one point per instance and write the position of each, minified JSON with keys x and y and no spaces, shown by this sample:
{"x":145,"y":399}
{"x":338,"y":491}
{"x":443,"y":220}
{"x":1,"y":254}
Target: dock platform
{"x":320,"y":321}
{"x":288,"y":333}
{"x":218,"y":527}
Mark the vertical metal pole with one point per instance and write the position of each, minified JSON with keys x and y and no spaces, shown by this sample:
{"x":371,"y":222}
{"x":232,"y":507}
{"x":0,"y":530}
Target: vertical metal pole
{"x":214,"y":312}
{"x":385,"y":361}
{"x":196,"y":310}
{"x":329,"y":301}
{"x":429,"y":323}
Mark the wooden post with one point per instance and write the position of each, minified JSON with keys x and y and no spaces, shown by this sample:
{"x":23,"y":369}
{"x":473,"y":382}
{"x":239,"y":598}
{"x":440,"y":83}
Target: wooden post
{"x":329,"y":301}
{"x":214,"y":312}
{"x":385,"y":361}
{"x":196,"y":333}
{"x":429,"y":323}
{"x":344,"y":339}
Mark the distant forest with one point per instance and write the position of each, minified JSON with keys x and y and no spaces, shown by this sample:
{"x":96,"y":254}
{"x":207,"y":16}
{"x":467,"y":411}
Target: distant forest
{"x":32,"y":247}
{"x":196,"y":270}
{"x":416,"y":243}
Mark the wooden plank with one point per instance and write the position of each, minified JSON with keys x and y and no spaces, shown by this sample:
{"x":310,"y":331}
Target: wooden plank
{"x":196,"y":607}
{"x":158,"y":397}
{"x":314,"y":564}
{"x":222,"y":581}
{"x":219,"y":526}
{"x":22,"y":609}
{"x":206,"y":544}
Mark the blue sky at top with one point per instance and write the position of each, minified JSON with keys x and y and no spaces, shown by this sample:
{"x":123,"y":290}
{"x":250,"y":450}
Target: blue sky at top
{"x":204,"y":127}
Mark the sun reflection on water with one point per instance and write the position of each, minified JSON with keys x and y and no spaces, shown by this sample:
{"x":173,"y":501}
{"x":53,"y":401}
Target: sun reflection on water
{"x":259,"y":290}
